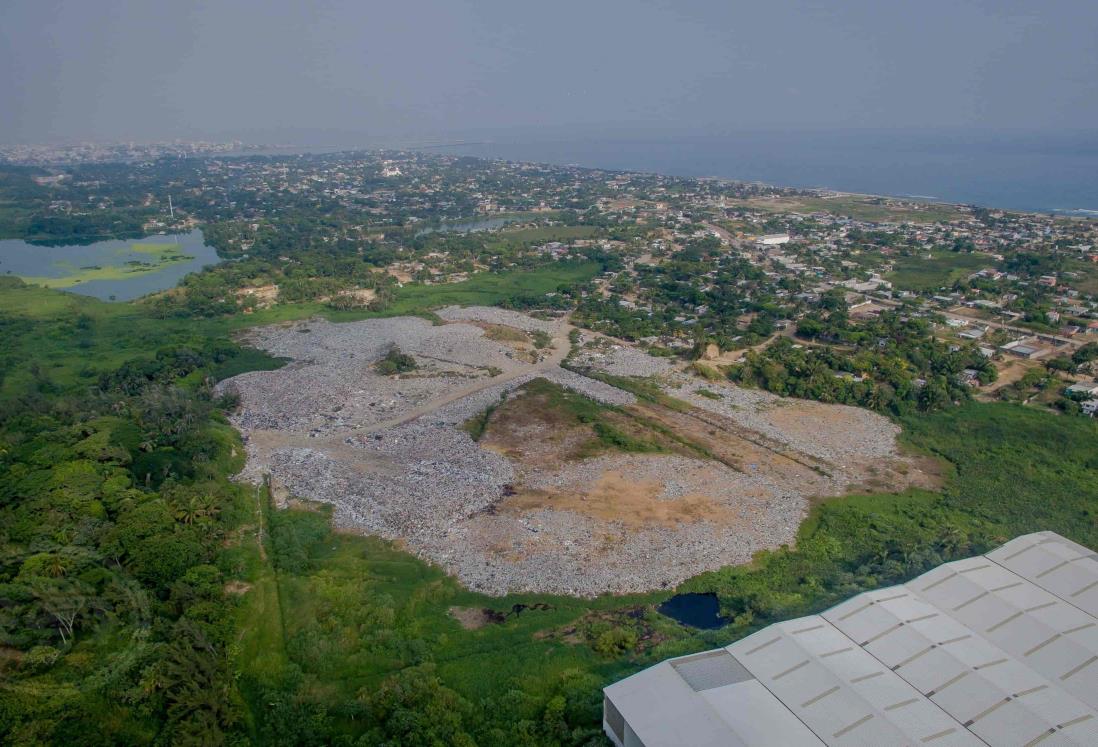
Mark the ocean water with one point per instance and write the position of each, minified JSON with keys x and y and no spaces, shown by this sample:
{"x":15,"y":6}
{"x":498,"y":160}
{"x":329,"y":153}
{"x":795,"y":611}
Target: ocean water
{"x":1051,"y":173}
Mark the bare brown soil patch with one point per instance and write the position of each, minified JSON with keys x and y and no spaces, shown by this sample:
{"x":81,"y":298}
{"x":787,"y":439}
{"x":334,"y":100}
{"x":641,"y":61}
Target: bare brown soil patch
{"x":593,"y":628}
{"x":518,"y":340}
{"x":730,"y":443}
{"x":618,"y":497}
{"x":753,"y":453}
{"x":806,"y":420}
{"x":528,"y":430}
{"x":705,"y":467}
{"x":362,"y":295}
{"x":296,"y":504}
{"x":400,"y":273}
{"x":10,"y":657}
{"x":502,"y":333}
{"x":263,"y":295}
{"x":1009,"y":372}
{"x":237,"y":588}
{"x":472,"y":618}
{"x":899,"y":474}
{"x":545,"y":440}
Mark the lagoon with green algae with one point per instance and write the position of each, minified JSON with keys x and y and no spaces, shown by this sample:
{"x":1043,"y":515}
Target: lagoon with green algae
{"x":117,"y":270}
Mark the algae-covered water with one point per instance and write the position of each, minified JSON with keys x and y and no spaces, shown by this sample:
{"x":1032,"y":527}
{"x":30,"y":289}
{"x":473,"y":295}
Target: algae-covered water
{"x":116,"y":270}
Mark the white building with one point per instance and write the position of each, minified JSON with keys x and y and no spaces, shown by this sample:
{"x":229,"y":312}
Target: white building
{"x":875,"y":282}
{"x":1084,"y":388}
{"x":773,"y":239}
{"x":999,"y":649}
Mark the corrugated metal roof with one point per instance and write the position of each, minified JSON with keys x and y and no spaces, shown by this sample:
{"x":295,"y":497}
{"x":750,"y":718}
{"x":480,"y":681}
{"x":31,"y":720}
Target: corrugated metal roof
{"x":711,"y":669}
{"x":1056,"y":564}
{"x":1000,"y":649}
{"x":840,"y":691}
{"x":661,"y":708}
{"x":1024,"y":620}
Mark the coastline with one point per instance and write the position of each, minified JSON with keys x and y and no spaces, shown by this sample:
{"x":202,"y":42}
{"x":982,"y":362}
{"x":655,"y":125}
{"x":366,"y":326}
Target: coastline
{"x":1051,"y":175}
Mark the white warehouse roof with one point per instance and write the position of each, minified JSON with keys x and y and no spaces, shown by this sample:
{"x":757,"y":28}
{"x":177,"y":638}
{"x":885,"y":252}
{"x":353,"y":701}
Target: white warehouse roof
{"x":999,"y":649}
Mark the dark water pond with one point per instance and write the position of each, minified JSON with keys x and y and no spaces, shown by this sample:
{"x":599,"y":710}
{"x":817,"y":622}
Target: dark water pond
{"x":696,"y":610}
{"x":115,"y":270}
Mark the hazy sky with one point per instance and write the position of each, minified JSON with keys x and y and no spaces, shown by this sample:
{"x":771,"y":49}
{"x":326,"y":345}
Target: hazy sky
{"x":340,"y":71}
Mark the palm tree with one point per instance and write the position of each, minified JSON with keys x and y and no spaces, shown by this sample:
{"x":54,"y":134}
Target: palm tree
{"x":197,"y":684}
{"x":189,"y":511}
{"x":953,"y":540}
{"x":210,"y":508}
{"x":197,"y":509}
{"x":55,"y":566}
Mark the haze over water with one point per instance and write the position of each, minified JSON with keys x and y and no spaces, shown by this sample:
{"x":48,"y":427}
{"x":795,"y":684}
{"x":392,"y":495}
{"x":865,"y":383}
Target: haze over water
{"x":893,"y":78}
{"x":1020,"y":172}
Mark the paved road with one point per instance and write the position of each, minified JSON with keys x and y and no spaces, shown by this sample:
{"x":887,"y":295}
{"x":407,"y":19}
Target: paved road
{"x":722,"y":234}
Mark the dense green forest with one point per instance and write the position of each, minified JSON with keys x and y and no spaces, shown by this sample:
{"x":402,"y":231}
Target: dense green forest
{"x":146,"y":599}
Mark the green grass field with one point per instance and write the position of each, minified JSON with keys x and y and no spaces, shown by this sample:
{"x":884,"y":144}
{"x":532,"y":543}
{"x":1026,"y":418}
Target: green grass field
{"x":546,"y":233}
{"x":490,"y":289}
{"x":942,"y":270}
{"x":858,"y":207}
{"x":1085,"y":279}
{"x":342,"y":614}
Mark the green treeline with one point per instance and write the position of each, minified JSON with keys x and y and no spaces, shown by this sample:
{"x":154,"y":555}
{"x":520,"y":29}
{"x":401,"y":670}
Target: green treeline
{"x":115,"y":513}
{"x":891,"y":363}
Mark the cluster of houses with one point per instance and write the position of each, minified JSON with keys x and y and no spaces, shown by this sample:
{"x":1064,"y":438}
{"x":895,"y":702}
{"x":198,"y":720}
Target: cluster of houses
{"x":1087,"y":393}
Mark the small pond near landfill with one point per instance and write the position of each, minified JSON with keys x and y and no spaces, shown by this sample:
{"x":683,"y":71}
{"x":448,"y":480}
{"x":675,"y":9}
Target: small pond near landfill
{"x":471,"y":226}
{"x":115,"y":270}
{"x":696,"y":610}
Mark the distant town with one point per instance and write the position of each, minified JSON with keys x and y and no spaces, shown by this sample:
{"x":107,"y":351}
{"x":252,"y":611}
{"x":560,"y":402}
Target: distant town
{"x":733,"y":265}
{"x":95,"y":152}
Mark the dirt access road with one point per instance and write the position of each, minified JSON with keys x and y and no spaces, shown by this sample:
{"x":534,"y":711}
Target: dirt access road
{"x":536,"y":505}
{"x":335,"y":444}
{"x":557,"y":352}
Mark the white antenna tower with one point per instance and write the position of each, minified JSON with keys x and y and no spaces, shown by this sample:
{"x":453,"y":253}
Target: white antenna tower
{"x":170,"y":208}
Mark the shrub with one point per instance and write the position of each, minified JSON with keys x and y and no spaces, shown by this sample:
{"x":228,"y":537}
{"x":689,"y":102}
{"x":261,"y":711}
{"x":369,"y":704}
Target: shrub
{"x":395,"y":362}
{"x":41,"y":658}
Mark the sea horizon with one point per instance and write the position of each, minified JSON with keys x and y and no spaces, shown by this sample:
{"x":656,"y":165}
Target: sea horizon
{"x":1056,"y":174}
